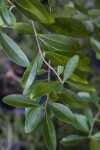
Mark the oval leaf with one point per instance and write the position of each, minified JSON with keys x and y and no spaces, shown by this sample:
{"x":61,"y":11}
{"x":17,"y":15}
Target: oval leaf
{"x":43,"y":89}
{"x":49,"y":133}
{"x":70,"y":67}
{"x":33,"y":119}
{"x":72,"y":140}
{"x":13,"y":50}
{"x":34,"y":10}
{"x":20,"y":101}
{"x":63,"y":113}
{"x":29,"y":74}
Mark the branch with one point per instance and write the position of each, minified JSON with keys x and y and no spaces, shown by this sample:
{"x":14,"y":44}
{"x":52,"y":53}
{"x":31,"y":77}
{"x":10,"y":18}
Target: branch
{"x":93,"y":123}
{"x":40,"y":51}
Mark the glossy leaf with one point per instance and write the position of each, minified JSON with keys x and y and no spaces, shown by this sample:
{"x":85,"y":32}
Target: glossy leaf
{"x":63,"y":113}
{"x":72,"y":140}
{"x":25,"y":28}
{"x":81,"y":123}
{"x":32,"y":119}
{"x":70,"y":67}
{"x":49,"y":133}
{"x":86,"y":87}
{"x":13,"y":50}
{"x":5,"y":13}
{"x":71,"y":98}
{"x":59,"y":42}
{"x":71,"y":27}
{"x":34,"y":10}
{"x":29,"y":74}
{"x":20,"y":101}
{"x":43,"y":89}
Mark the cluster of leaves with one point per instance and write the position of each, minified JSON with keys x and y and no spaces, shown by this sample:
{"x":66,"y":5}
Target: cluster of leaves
{"x":91,"y":14}
{"x":56,"y":42}
{"x":86,"y":122}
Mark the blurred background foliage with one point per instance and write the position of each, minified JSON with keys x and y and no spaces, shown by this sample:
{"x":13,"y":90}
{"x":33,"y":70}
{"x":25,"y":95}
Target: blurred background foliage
{"x":12,"y":133}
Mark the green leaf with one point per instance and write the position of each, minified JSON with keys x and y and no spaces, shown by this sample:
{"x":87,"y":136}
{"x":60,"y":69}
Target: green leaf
{"x":27,"y":92}
{"x":95,"y":44}
{"x":94,"y":13}
{"x":97,"y":30}
{"x":72,"y":140}
{"x":5,"y":13}
{"x":94,"y":98}
{"x":61,"y":60}
{"x":13,"y":50}
{"x":63,"y":113}
{"x":49,"y":133}
{"x":34,"y":10}
{"x":53,"y":96}
{"x":95,"y":145}
{"x":20,"y":101}
{"x":59,"y":42}
{"x":81,"y":123}
{"x":88,"y":113}
{"x":29,"y":74}
{"x":67,"y":26}
{"x":96,"y":136}
{"x":70,"y":67}
{"x":43,"y":89}
{"x":25,"y":28}
{"x":32,"y":119}
{"x":78,"y":76}
{"x":82,"y":86}
{"x":41,"y":71}
{"x":80,"y":6}
{"x":60,"y":70}
{"x":71,"y":98}
{"x":2,"y":23}
{"x":52,"y":3}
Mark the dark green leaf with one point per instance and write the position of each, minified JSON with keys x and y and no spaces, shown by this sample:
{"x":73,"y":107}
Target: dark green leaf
{"x":49,"y":133}
{"x":67,"y":26}
{"x":43,"y":89}
{"x":70,"y":67}
{"x":20,"y":101}
{"x":71,"y":98}
{"x":13,"y":50}
{"x":82,"y":86}
{"x":34,"y":10}
{"x":41,"y":71}
{"x":97,"y":30}
{"x":53,"y":96}
{"x":59,"y":42}
{"x":94,"y":13}
{"x":32,"y":119}
{"x":29,"y":74}
{"x":72,"y":140}
{"x":63,"y":113}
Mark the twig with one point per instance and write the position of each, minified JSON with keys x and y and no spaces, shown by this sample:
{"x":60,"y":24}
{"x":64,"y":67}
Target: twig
{"x":93,"y":123}
{"x":10,"y":2}
{"x":40,"y":51}
{"x":10,"y":9}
